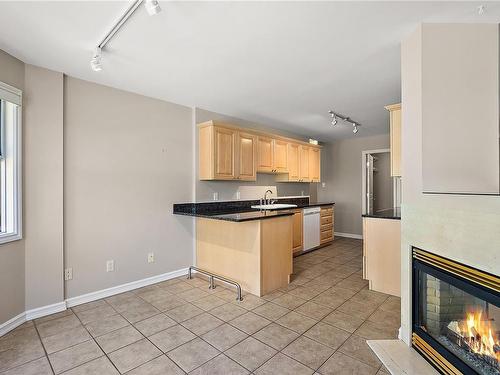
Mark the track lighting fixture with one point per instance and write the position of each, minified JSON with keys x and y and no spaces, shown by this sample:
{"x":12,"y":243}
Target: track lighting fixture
{"x":336,"y":116}
{"x":152,"y":7}
{"x":95,"y":62}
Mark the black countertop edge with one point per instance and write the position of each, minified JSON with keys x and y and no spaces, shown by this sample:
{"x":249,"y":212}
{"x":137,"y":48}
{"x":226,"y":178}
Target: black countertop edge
{"x":241,"y":216}
{"x":391,"y":213}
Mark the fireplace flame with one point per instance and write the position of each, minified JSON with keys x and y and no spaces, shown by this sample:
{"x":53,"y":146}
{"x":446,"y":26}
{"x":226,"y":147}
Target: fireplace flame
{"x":478,"y":333}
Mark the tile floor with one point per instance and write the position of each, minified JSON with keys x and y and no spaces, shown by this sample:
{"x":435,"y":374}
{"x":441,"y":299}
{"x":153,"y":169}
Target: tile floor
{"x":318,"y":324}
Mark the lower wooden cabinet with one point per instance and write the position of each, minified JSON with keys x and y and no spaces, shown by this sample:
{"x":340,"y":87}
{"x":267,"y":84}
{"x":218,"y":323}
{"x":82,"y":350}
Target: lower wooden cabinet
{"x":298,"y":235}
{"x":326,"y":228}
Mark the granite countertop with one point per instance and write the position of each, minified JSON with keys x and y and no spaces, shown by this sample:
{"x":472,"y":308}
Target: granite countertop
{"x":241,"y":216}
{"x":390,"y":213}
{"x":239,"y":211}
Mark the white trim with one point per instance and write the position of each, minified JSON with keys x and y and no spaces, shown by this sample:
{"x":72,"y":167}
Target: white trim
{"x":45,"y":310}
{"x":11,"y":94}
{"x":349,"y":235}
{"x":93,"y":296}
{"x":10,"y":324}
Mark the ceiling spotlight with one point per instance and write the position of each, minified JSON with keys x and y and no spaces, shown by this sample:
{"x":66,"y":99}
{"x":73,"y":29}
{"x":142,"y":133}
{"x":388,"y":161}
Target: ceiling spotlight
{"x":95,"y":62}
{"x":354,"y":127}
{"x":481,"y":9}
{"x":334,"y":117}
{"x":152,"y":7}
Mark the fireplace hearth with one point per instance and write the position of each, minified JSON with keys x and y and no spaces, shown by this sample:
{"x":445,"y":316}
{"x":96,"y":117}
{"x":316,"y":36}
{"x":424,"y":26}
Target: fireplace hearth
{"x":456,"y":315}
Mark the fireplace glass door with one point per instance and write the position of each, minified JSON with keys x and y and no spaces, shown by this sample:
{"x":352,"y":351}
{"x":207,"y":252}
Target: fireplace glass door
{"x":458,"y":318}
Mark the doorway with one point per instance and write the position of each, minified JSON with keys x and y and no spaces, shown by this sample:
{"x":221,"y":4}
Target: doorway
{"x":378,"y":185}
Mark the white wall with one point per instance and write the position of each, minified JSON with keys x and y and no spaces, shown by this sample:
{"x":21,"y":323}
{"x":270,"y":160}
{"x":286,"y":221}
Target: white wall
{"x":464,"y":228}
{"x":43,"y":186}
{"x":128,"y":159}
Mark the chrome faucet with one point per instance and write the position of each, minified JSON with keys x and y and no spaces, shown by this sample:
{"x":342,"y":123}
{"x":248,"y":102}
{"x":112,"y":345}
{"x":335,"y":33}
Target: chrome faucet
{"x":266,"y":200}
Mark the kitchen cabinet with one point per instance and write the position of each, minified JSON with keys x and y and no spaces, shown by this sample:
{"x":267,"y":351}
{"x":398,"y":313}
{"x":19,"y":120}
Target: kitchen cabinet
{"x":326,"y":225}
{"x":314,"y":165}
{"x":395,"y":138}
{"x":227,"y":154}
{"x":297,"y":231}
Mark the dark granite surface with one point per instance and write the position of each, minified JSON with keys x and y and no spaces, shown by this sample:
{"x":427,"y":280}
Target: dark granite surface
{"x":391,"y":213}
{"x":241,"y":210}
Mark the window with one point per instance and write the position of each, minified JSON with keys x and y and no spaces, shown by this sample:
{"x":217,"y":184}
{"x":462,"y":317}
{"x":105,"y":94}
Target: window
{"x":10,"y":163}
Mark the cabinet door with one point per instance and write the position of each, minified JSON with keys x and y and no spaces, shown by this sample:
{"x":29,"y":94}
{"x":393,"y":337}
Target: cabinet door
{"x":224,"y":142}
{"x":395,"y":142}
{"x":280,"y":156}
{"x":247,"y":156}
{"x":297,"y":231}
{"x":304,"y":163}
{"x":314,"y":165}
{"x":265,"y":155}
{"x":293,"y":162}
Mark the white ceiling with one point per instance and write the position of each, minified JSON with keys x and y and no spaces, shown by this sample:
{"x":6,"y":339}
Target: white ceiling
{"x":284,"y":64}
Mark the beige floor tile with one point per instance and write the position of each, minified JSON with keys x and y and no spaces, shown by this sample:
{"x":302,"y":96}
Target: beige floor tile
{"x":392,"y":304}
{"x":65,"y":339}
{"x":374,"y":331}
{"x":343,"y":321}
{"x":74,"y":356}
{"x":179,"y":287}
{"x":357,"y":347}
{"x":97,"y":313}
{"x":250,"y":353}
{"x":296,"y":322}
{"x":389,"y":319}
{"x":101,"y":366}
{"x":134,"y":355}
{"x":167,"y":303}
{"x":209,"y":303}
{"x":54,"y":326}
{"x":118,"y":339}
{"x":330,"y":300}
{"x":21,"y":354}
{"x":250,"y":302}
{"x":271,"y":311}
{"x":327,"y":335}
{"x":250,"y":322}
{"x":228,"y":312}
{"x":276,"y":336}
{"x":340,"y":364}
{"x":158,"y":366}
{"x":193,"y":354}
{"x":289,"y":301}
{"x":220,"y":365}
{"x":154,"y":324}
{"x":140,"y":312}
{"x":184,"y":312}
{"x":39,"y":366}
{"x":304,"y":292}
{"x":356,"y":309}
{"x":19,"y":337}
{"x":60,"y":314}
{"x":202,"y":323}
{"x":192,"y":295}
{"x":89,"y":305}
{"x":313,"y":310}
{"x":106,"y":325}
{"x":352,"y":284}
{"x":281,"y":364}
{"x":152,"y":294}
{"x":308,"y":352}
{"x":224,"y":337}
{"x":171,"y":338}
{"x":127,"y":303}
{"x":272,"y":295}
{"x":197,"y":281}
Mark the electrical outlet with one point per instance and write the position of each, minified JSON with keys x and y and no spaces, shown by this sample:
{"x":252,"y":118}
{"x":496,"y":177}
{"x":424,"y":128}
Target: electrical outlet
{"x":323,"y":184}
{"x":110,"y":266}
{"x":68,"y":274}
{"x":151,"y":257}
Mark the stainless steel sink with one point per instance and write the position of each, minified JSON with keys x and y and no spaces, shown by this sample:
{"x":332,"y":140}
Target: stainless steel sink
{"x":276,"y":206}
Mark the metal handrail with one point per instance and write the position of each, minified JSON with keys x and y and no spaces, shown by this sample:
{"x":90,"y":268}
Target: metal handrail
{"x":213,"y":276}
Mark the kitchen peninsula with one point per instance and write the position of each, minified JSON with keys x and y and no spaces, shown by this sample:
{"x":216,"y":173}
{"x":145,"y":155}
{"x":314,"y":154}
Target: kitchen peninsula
{"x":249,"y":246}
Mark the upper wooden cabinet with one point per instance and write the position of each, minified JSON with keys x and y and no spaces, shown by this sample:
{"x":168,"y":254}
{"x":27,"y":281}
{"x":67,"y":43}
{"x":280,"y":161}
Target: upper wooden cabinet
{"x":227,"y":154}
{"x":395,"y":138}
{"x":230,"y":153}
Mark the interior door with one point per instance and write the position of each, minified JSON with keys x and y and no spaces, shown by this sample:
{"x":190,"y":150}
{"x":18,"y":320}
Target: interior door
{"x":369,"y":183}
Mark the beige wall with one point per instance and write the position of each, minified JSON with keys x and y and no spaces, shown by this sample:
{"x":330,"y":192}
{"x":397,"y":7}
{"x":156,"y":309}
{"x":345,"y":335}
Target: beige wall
{"x":343,"y":177}
{"x":464,"y":228}
{"x":128,"y":158}
{"x":43,"y":186}
{"x":11,"y":254}
{"x":383,"y":182}
{"x":227,"y":189}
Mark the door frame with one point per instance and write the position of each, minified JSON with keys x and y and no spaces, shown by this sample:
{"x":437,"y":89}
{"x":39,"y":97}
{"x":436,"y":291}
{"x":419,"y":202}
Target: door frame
{"x":363,"y":174}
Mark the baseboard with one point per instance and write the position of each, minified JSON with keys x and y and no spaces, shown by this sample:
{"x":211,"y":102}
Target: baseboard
{"x":45,"y":310}
{"x":15,"y":322}
{"x":349,"y":235}
{"x":94,"y":296}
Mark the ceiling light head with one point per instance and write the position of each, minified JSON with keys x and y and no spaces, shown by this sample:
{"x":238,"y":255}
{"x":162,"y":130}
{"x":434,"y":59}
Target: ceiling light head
{"x":354,"y":127}
{"x":481,"y":9}
{"x":152,"y":7}
{"x":95,"y":62}
{"x":334,"y":118}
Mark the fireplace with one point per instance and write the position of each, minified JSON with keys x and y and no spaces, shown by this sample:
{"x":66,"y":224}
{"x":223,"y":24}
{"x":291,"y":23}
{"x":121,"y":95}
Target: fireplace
{"x":456,"y":315}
